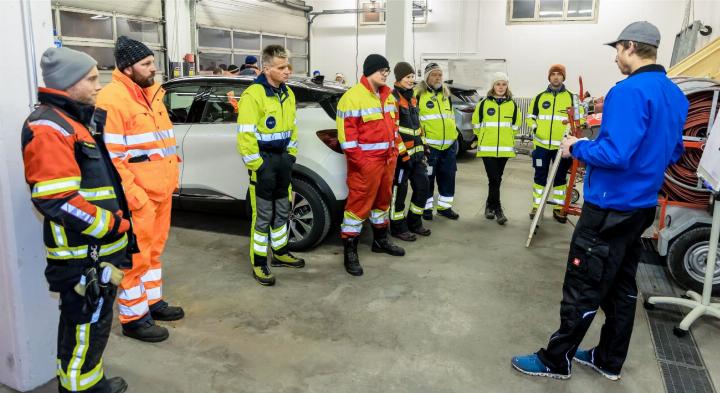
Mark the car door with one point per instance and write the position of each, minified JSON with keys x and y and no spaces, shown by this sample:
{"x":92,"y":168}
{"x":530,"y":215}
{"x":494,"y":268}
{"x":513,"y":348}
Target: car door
{"x":182,"y":102}
{"x":213,"y":166}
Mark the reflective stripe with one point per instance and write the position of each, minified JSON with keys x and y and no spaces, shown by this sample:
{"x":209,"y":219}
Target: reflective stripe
{"x":531,"y":116}
{"x":74,"y":211}
{"x":279,"y":237}
{"x":546,"y":142}
{"x":100,"y":225}
{"x":390,"y":108}
{"x":107,"y":249}
{"x":89,"y":380}
{"x":536,"y":201}
{"x":416,"y":149}
{"x":251,"y":157}
{"x":133,"y":293}
{"x":358,"y":112}
{"x":260,"y":238}
{"x":558,"y":192}
{"x":139,"y":309}
{"x":496,"y":124}
{"x":276,"y":136}
{"x":97,"y":194}
{"x":246,"y":128}
{"x":58,"y":233}
{"x":515,"y":128}
{"x":154,"y":293}
{"x":415,"y":208}
{"x":350,"y":224}
{"x":350,"y":229}
{"x":67,"y":252}
{"x":397,"y":215}
{"x":445,"y":202}
{"x":136,"y":139}
{"x":378,"y":216}
{"x":500,"y":148}
{"x":50,"y":124}
{"x":477,"y":125}
{"x":432,"y":117}
{"x":559,"y":202}
{"x":82,"y":338}
{"x":292,"y":144}
{"x":551,"y":117}
{"x":164,"y":152}
{"x":152,"y":275}
{"x":260,"y":248}
{"x":429,"y":203}
{"x":55,"y":186}
{"x":374,"y":146}
{"x":409,"y":131}
{"x":349,"y":145}
{"x":439,"y":142}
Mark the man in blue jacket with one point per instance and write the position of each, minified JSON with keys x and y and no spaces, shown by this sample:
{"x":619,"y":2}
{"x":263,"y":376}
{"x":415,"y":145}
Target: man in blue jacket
{"x":641,"y":135}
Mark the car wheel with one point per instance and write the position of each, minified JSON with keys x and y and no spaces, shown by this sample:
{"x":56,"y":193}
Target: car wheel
{"x":309,"y":221}
{"x":687,"y":260}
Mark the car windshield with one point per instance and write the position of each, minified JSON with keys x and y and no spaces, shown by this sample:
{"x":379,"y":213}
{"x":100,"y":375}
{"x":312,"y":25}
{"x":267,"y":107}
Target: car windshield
{"x":466,"y":96}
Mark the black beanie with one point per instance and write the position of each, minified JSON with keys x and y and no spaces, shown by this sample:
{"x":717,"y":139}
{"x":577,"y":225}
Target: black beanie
{"x":403,"y":69}
{"x":129,"y":52}
{"x":374,"y":63}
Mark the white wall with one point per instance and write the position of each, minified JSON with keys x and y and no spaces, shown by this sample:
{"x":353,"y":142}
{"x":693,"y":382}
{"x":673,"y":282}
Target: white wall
{"x":28,"y":312}
{"x":469,"y":27}
{"x":179,"y":32}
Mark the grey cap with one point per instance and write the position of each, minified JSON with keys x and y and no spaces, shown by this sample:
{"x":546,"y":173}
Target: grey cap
{"x":64,"y":67}
{"x":644,"y":32}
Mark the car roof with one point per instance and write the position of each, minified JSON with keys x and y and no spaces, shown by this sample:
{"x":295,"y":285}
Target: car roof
{"x":302,"y":82}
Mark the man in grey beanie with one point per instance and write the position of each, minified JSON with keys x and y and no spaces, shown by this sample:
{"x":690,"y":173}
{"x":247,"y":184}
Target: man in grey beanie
{"x":92,"y":237}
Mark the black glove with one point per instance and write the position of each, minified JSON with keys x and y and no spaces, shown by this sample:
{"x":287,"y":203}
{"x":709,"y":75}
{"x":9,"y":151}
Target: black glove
{"x":404,"y":164}
{"x":89,"y":289}
{"x":292,"y":158}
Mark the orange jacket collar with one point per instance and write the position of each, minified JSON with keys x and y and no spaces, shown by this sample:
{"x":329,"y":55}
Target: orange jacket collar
{"x":384,"y":90}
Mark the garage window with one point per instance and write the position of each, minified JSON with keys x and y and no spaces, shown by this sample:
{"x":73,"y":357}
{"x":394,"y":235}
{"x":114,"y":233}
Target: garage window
{"x":95,"y":33}
{"x":533,"y":11}
{"x":220,"y":46}
{"x":373,"y":14}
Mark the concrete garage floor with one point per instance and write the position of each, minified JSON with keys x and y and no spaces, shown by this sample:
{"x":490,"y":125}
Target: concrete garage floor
{"x":445,"y":318}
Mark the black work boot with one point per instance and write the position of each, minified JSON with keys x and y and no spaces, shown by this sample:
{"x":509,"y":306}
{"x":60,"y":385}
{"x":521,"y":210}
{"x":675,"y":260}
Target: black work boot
{"x":381,"y":243}
{"x":352,"y":261}
{"x":167,"y":313}
{"x":146,"y":331}
{"x":399,"y":229}
{"x":500,"y":215}
{"x":449,"y":213}
{"x":559,"y":216}
{"x":117,"y":385}
{"x":421,"y":230}
{"x":489,"y":212}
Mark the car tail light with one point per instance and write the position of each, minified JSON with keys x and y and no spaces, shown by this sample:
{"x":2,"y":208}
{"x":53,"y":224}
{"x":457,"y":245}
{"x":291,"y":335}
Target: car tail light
{"x":330,"y":139}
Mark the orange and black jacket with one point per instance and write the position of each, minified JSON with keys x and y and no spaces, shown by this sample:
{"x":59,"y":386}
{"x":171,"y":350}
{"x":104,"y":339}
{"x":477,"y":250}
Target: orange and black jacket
{"x":75,"y":186}
{"x":409,"y":121}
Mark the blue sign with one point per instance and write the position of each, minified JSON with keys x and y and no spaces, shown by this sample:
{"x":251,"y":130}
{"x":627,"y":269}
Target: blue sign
{"x":491,"y":111}
{"x":546,"y":104}
{"x":430,"y":105}
{"x":270,"y":122}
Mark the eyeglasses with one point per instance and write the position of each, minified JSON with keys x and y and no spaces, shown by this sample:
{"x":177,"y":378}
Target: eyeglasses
{"x":385,"y":71}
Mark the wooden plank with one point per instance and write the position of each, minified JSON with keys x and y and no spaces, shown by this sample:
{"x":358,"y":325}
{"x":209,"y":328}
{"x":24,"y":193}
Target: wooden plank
{"x":704,"y":63}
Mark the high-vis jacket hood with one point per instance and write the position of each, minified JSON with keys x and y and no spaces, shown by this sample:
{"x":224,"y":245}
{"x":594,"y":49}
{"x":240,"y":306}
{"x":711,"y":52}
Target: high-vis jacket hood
{"x":140,"y":138}
{"x":266,"y":122}
{"x":437,"y":118}
{"x":74,"y":186}
{"x":409,"y":121}
{"x":495,"y":124}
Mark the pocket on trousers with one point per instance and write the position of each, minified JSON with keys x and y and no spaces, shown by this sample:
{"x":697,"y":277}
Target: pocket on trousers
{"x":587,"y":256}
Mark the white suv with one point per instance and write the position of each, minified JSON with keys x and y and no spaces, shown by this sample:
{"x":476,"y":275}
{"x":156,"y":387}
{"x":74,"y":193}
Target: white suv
{"x":212,"y":170}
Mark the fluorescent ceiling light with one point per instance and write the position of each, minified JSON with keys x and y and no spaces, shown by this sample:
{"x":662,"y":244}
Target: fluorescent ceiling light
{"x":99,"y":17}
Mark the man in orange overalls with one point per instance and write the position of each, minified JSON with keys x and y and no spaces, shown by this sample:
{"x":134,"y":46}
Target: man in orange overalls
{"x":141,"y":142}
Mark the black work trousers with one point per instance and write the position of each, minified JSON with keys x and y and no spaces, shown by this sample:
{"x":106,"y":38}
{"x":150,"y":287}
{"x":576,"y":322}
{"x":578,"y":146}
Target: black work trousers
{"x":81,"y":341}
{"x":603,"y":259}
{"x":494,"y":167}
{"x":415,"y":173}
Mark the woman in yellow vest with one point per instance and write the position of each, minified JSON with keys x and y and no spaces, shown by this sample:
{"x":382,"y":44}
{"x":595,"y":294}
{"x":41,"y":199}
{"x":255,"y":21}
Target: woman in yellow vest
{"x":495,"y":121}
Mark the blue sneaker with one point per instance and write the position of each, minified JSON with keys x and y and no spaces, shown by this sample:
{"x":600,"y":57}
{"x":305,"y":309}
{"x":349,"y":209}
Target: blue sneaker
{"x":587,"y":358}
{"x":532,"y":365}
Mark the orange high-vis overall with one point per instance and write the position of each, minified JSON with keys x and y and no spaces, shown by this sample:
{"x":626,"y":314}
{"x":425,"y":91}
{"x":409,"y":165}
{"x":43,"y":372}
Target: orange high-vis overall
{"x":141,"y":142}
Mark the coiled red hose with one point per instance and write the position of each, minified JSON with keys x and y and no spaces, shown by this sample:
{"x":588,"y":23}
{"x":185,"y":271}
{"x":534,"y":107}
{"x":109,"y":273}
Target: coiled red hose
{"x":681,"y":181}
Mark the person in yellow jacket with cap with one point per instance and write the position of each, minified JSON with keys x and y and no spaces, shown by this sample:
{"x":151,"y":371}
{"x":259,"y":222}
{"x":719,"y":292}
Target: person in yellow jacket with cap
{"x":547,"y":115}
{"x":495,"y":121}
{"x":267,"y":141}
{"x":437,"y":119}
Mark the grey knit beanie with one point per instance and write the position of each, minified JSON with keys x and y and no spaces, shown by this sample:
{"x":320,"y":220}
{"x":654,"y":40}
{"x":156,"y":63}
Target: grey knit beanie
{"x":64,"y":67}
